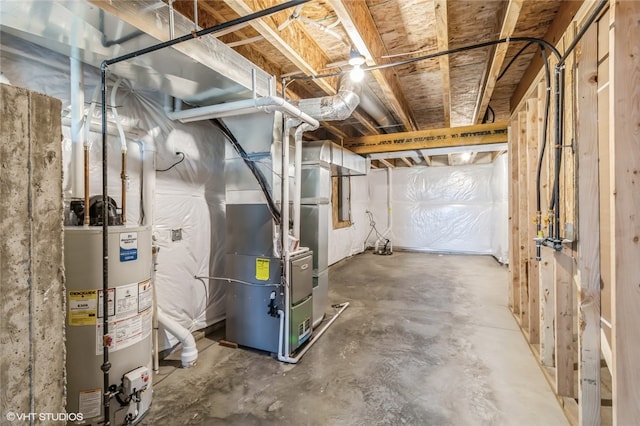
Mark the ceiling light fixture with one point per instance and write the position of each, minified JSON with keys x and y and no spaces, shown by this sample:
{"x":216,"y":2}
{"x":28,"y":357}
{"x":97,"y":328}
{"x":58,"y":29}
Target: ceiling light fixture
{"x":356,"y":60}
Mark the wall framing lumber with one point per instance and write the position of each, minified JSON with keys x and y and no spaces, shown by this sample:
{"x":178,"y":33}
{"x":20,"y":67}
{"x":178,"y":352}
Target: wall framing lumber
{"x":514,"y":239}
{"x":624,"y":135}
{"x":534,"y":124}
{"x":523,"y":221}
{"x":478,"y":134}
{"x":547,"y":309}
{"x":563,"y":267}
{"x":589,"y":232}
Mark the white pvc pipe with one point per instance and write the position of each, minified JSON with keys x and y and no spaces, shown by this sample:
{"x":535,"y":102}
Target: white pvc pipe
{"x":285,"y":357}
{"x":247,"y":106}
{"x":77,"y":118}
{"x":189,"y":354}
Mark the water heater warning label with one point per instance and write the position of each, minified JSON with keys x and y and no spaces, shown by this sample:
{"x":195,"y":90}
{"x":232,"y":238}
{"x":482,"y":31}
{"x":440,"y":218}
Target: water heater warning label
{"x":125,"y":332}
{"x":83,"y":306}
{"x":128,"y":246}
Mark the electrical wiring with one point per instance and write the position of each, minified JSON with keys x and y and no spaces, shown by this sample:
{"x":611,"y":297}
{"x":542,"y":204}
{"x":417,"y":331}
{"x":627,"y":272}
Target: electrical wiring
{"x":257,"y":173}
{"x":504,"y":71}
{"x":538,"y":41}
{"x":174,"y":164}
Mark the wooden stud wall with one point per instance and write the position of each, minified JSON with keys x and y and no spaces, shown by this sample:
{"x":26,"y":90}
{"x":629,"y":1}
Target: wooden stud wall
{"x":565,"y":302}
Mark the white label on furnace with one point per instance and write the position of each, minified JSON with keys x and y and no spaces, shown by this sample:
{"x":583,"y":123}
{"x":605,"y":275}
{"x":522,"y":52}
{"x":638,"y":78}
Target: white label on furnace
{"x":89,"y":403}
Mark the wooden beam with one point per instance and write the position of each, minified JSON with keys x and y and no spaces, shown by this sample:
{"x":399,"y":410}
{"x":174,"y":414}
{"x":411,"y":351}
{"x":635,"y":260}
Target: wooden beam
{"x":442,"y":36}
{"x":563,"y":267}
{"x":427,"y":159}
{"x":424,"y":139}
{"x":547,"y":308}
{"x":624,"y":195}
{"x":566,"y":12}
{"x":295,"y":44}
{"x":450,"y":159}
{"x":486,"y":91}
{"x":387,"y":164}
{"x":534,"y":126}
{"x":407,"y":162}
{"x":361,"y":28}
{"x":496,"y":154}
{"x":589,"y":232}
{"x":523,"y":220}
{"x":514,"y":241}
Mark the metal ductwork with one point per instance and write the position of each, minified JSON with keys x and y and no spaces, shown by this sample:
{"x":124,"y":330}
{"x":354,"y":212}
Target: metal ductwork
{"x":337,"y":107}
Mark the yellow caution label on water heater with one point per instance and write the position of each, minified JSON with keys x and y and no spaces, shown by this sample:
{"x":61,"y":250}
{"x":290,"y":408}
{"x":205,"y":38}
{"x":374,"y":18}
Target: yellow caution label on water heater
{"x":83,"y":307}
{"x":262,"y":269}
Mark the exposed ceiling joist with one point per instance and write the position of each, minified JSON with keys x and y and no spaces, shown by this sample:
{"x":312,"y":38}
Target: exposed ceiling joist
{"x":359,"y":24}
{"x":442,"y":34}
{"x":296,"y":45}
{"x":406,"y":161}
{"x":486,"y":91}
{"x":387,"y":164}
{"x":427,"y":159}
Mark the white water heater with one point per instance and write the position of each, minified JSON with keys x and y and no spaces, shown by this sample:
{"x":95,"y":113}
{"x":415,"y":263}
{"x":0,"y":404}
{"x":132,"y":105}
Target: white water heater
{"x":130,"y":299}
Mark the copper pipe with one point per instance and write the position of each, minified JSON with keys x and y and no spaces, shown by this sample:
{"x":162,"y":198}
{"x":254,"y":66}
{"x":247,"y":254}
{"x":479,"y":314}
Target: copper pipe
{"x":123,"y":177}
{"x":87,"y":219}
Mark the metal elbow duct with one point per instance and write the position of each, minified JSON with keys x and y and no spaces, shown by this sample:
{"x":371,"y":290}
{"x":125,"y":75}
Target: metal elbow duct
{"x":337,"y":107}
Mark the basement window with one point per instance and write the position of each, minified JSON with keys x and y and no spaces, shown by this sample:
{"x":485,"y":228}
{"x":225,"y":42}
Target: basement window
{"x":341,"y":201}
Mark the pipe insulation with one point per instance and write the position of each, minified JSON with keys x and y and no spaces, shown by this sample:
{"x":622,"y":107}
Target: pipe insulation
{"x":189,"y":354}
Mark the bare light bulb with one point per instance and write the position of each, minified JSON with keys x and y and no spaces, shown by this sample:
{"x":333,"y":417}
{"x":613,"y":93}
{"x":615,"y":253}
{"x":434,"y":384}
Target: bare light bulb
{"x":466,"y":156}
{"x":356,"y":74}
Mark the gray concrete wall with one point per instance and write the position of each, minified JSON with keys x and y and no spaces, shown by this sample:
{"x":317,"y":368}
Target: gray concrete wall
{"x":32,"y":295}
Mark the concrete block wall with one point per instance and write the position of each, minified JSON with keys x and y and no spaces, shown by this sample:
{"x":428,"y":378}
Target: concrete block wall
{"x":32,"y":294}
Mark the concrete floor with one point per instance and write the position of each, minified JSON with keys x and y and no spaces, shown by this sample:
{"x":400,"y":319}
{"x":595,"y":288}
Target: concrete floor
{"x":428,"y":340}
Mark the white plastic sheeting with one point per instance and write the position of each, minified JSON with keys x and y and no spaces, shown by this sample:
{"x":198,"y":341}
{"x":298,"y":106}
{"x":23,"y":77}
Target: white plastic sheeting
{"x":500,"y":215}
{"x":189,"y":197}
{"x":459,"y":209}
